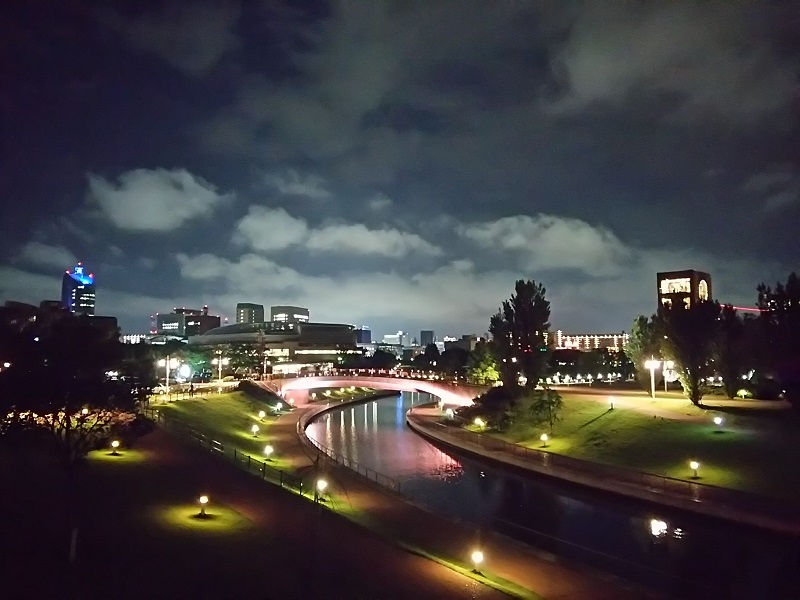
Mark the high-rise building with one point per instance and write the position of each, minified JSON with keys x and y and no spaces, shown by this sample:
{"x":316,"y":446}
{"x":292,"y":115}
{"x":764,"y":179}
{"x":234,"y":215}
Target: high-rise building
{"x":401,"y":338}
{"x":288,"y":314}
{"x":77,"y":291}
{"x":427,"y":336}
{"x":186,"y":322}
{"x":247,"y":312}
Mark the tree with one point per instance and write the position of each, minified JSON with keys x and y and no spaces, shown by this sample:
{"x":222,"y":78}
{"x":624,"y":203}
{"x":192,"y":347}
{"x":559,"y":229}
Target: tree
{"x":545,"y":407}
{"x":689,"y":335}
{"x":481,"y":365}
{"x":780,"y":319}
{"x":517,"y":329}
{"x":453,"y":361}
{"x":430,"y":358}
{"x":643,"y":343}
{"x":730,"y":350}
{"x":383,"y":360}
{"x":69,"y":379}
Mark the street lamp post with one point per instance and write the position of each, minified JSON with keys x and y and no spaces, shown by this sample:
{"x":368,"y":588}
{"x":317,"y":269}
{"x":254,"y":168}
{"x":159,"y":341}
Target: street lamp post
{"x":652,"y":365}
{"x":168,"y":363}
{"x":219,"y":361}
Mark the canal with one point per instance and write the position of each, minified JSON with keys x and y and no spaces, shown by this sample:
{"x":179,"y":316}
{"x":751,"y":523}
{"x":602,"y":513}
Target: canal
{"x":687,"y":555}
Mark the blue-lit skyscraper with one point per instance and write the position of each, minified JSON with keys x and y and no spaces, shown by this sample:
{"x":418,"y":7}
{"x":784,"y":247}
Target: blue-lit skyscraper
{"x":77,"y":291}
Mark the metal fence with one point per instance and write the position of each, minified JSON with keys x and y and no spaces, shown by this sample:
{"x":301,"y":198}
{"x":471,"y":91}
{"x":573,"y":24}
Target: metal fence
{"x":254,"y":466}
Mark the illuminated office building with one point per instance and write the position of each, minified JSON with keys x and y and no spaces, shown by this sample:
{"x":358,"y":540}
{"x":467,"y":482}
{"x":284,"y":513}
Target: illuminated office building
{"x":77,"y":291}
{"x":683,"y":286}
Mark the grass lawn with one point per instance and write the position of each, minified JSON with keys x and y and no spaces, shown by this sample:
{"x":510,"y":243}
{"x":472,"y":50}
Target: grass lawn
{"x":752,"y":452}
{"x":228,"y":418}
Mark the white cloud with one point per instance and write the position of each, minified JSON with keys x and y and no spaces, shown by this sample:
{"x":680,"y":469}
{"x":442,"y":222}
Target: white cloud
{"x":270,"y":229}
{"x":273,"y":229}
{"x":380,"y":202}
{"x":547,"y":242}
{"x":777,"y":188}
{"x":192,"y":37}
{"x":294,"y":184}
{"x":154,"y":200}
{"x":37,"y":253}
{"x":358,"y":239}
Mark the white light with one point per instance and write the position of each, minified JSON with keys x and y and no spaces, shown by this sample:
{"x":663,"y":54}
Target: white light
{"x":657,"y":527}
{"x":115,"y":444}
{"x":717,"y":421}
{"x":254,"y":429}
{"x":322,"y":485}
{"x":261,"y":414}
{"x":6,"y":364}
{"x":203,"y":499}
{"x":694,"y":465}
{"x":544,"y":437}
{"x":479,"y":422}
{"x":84,"y":411}
{"x":279,"y":406}
{"x":185,"y":371}
{"x":477,"y":558}
{"x":268,"y":450}
{"x":449,"y":413}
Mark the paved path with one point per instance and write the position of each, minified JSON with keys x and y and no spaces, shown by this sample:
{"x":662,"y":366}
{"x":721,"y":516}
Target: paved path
{"x":514,"y":562}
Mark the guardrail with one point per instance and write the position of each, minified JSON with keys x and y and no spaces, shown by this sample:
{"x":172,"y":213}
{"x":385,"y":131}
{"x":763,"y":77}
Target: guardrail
{"x":252,"y":465}
{"x":753,"y":508}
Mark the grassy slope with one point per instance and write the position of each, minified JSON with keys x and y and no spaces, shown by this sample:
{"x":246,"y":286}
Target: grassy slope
{"x":752,"y":453}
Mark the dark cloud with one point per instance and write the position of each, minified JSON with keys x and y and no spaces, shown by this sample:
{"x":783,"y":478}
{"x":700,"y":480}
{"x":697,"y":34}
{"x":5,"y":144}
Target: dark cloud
{"x":400,"y":163}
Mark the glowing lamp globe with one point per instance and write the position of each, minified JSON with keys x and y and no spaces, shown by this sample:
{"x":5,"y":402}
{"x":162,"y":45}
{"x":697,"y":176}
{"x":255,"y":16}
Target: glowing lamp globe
{"x":268,"y":450}
{"x":254,"y":429}
{"x":261,"y":414}
{"x":115,"y":444}
{"x":322,"y":485}
{"x":717,"y":421}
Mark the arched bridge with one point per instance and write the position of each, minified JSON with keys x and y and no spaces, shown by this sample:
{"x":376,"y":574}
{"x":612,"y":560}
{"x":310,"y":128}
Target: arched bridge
{"x":452,"y":394}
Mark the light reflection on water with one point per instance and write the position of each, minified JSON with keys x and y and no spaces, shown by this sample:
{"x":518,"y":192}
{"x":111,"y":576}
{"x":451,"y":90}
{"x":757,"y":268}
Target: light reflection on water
{"x":617,"y":533}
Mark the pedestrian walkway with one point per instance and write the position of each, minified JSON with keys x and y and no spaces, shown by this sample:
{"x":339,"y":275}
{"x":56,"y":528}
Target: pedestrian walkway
{"x":447,"y":539}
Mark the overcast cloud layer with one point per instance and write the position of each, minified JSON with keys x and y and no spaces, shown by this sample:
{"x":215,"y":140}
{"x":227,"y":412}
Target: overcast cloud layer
{"x":398,"y":164}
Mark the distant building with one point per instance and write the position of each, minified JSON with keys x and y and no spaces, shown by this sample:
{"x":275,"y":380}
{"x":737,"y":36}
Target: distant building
{"x":363,"y":335}
{"x":400,"y":338}
{"x":586,"y":341}
{"x":77,"y":291}
{"x":288,"y":314}
{"x":186,"y":322}
{"x":247,"y":312}
{"x":427,"y":336}
{"x":683,"y":286}
{"x":467,"y":342}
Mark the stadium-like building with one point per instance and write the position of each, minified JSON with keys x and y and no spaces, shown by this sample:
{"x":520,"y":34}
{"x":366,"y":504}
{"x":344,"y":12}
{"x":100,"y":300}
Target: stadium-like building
{"x":286,"y":342}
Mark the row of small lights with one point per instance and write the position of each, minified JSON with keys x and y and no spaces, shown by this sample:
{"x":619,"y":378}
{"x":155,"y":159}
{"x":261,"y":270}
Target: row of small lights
{"x":544,"y":438}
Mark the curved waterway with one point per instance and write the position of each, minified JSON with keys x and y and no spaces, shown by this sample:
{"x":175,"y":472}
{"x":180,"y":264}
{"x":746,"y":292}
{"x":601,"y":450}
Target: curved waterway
{"x":672,"y":551}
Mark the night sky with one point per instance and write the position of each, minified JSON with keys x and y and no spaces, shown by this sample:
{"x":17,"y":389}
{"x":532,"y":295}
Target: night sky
{"x":397,"y":164}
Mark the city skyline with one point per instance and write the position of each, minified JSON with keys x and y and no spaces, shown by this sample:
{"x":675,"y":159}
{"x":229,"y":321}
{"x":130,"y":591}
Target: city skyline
{"x":405,"y":180}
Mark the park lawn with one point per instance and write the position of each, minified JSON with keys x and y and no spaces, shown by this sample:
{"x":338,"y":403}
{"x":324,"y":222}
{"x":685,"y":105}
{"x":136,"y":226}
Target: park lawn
{"x":750,"y":453}
{"x":228,"y":419}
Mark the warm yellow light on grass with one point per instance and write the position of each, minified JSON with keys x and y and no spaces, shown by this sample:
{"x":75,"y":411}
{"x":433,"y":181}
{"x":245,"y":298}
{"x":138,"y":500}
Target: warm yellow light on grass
{"x":477,"y":559}
{"x":544,"y":438}
{"x":694,"y":466}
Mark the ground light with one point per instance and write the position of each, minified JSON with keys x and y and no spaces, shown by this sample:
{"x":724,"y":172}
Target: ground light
{"x":544,"y":437}
{"x":279,"y":406}
{"x":477,"y":559}
{"x":320,"y":488}
{"x":268,"y":450}
{"x":718,"y":421}
{"x":261,"y":414}
{"x":114,"y":446}
{"x":611,"y":403}
{"x":254,"y":429}
{"x":203,"y":501}
{"x":694,"y":466}
{"x":84,"y":411}
{"x":480,"y":422}
{"x":449,"y":413}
